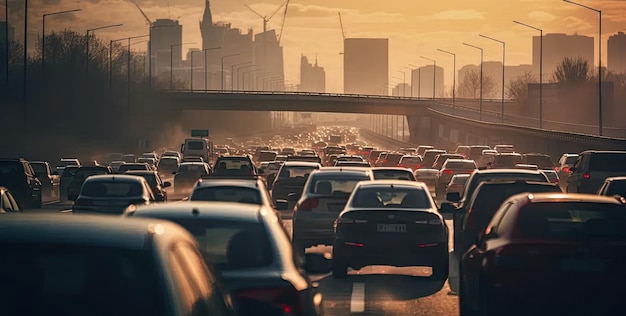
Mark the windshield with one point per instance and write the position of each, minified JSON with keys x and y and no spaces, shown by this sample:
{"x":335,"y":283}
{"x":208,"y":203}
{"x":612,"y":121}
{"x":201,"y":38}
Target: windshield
{"x":295,"y":173}
{"x":477,"y":178}
{"x":227,"y":194}
{"x":195,"y":145}
{"x":608,"y":162}
{"x":391,"y":197}
{"x":332,"y":184}
{"x":191,"y":168}
{"x":39,"y":167}
{"x":393,"y":174}
{"x":111,"y":189}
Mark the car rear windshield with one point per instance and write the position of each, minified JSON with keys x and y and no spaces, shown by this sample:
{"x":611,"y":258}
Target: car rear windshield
{"x":617,"y":188}
{"x":478,"y":178}
{"x":267,"y":156}
{"x":507,"y":160}
{"x":84,"y":173}
{"x":233,"y":164}
{"x":540,"y":161}
{"x":168,"y":162}
{"x":411,"y":160}
{"x":393,"y":174}
{"x":391,"y":197}
{"x":332,"y":184}
{"x":608,"y":162}
{"x":295,"y":173}
{"x":572,"y":221}
{"x":111,"y":189}
{"x":460,"y":165}
{"x":190,"y":168}
{"x":126,"y":167}
{"x":195,"y":145}
{"x":39,"y":167}
{"x":489,"y":198}
{"x":227,"y":194}
{"x":231,"y":245}
{"x":11,"y":169}
{"x":68,"y":279}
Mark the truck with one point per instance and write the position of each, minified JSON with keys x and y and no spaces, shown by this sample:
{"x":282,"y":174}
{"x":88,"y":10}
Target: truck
{"x":198,"y":146}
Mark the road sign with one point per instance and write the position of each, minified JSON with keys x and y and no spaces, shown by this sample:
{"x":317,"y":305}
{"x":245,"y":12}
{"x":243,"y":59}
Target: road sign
{"x":199,"y":133}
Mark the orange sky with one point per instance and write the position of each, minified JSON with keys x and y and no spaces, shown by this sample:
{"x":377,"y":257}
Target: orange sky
{"x":414,"y":27}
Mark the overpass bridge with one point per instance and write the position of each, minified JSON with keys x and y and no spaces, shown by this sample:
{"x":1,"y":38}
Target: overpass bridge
{"x":437,"y":122}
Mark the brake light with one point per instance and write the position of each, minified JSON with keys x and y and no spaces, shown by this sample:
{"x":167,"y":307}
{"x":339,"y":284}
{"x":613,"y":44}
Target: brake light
{"x":586,"y":175}
{"x":354,"y":244}
{"x":400,"y":165}
{"x":285,"y":301}
{"x":308,"y":204}
{"x":83,"y":202}
{"x":418,"y":166}
{"x":448,"y":171}
{"x":566,"y":169}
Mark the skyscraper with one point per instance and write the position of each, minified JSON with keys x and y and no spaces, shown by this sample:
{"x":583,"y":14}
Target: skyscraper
{"x":312,"y":77}
{"x":616,"y":54}
{"x":422,"y":82}
{"x":269,"y":57}
{"x":165,"y":33}
{"x":365,"y":65}
{"x":558,"y":46}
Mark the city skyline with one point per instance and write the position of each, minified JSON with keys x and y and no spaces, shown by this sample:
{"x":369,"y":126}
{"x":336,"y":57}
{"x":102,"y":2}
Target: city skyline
{"x":312,"y":27}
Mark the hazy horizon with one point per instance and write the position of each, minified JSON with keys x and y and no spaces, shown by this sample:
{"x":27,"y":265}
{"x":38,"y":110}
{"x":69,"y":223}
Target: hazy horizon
{"x":312,"y":27}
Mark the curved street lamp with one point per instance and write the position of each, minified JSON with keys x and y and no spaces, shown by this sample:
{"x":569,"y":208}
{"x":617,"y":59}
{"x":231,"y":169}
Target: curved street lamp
{"x":481,"y":78}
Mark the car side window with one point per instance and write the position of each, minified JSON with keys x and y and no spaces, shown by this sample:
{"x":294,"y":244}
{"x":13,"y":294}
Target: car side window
{"x":496,"y":221}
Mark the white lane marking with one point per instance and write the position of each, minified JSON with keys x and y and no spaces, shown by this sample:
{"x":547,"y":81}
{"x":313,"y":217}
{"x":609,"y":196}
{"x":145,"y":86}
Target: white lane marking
{"x":357,"y":302}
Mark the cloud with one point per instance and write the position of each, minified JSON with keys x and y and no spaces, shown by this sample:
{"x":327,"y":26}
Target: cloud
{"x":457,"y":15}
{"x":541,"y":16}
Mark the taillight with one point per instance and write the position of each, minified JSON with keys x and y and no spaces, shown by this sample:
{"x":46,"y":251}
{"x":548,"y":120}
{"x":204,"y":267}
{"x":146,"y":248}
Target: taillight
{"x":586,"y":175}
{"x":308,"y":204}
{"x":401,"y":165}
{"x":83,"y":202}
{"x":566,"y":169}
{"x":448,"y":171}
{"x":280,"y":301}
{"x":418,"y":166}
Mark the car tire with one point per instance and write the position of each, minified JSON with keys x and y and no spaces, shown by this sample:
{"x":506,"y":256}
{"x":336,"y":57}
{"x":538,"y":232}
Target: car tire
{"x":441,"y":270}
{"x":339,"y":269}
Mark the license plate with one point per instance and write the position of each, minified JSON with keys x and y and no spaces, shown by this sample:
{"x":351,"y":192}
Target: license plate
{"x":391,"y":228}
{"x":583,"y":265}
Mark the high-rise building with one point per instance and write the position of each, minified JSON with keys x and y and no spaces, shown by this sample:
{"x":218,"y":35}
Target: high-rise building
{"x":312,"y":76}
{"x":422,"y":82}
{"x":365,"y":65}
{"x":558,"y":46}
{"x":269,"y":57}
{"x":166,"y":48}
{"x":401,"y":90}
{"x":616,"y":54}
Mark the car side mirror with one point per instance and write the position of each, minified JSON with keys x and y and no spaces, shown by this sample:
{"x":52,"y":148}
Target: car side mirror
{"x":167,"y":184}
{"x":447,"y":208}
{"x":316,"y":263}
{"x":282,"y":205}
{"x":453,"y":196}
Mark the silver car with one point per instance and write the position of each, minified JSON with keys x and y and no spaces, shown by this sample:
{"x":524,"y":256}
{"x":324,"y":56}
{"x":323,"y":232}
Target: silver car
{"x":323,"y":197}
{"x":112,"y":194}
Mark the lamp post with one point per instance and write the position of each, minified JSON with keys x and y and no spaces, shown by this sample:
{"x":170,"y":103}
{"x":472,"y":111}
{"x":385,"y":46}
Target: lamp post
{"x":599,"y":61}
{"x":453,"y":78}
{"x":6,"y":48}
{"x":503,"y":52}
{"x":419,"y":81}
{"x":224,"y":57}
{"x":232,"y":71}
{"x":434,"y":75}
{"x":43,"y":38}
{"x":540,"y":69}
{"x":206,"y":62}
{"x":410,"y":90}
{"x":481,"y":78}
{"x":87,"y":45}
{"x":243,"y":80}
{"x":172,"y":62}
{"x":111,"y":55}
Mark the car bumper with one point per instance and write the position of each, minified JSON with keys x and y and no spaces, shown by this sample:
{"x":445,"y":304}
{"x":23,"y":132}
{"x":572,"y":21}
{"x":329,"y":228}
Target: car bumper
{"x":364,"y":253}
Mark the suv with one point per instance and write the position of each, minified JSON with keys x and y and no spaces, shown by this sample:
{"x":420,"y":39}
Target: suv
{"x":593,"y":167}
{"x":234,"y":166}
{"x":324,"y":196}
{"x":291,"y":179}
{"x":18,"y":176}
{"x":542,"y":161}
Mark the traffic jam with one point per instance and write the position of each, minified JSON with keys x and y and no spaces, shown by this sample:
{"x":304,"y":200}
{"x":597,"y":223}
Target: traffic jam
{"x":321,"y":222}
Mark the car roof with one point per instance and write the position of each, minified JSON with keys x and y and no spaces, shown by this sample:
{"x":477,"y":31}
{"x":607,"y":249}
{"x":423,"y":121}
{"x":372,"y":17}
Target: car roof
{"x":202,"y":209}
{"x":213,"y":181}
{"x":141,"y":172}
{"x":301,"y":164}
{"x":507,"y":170}
{"x":395,"y":183}
{"x":187,"y":163}
{"x":604,"y":152}
{"x":101,"y":230}
{"x":610,"y":179}
{"x":514,"y":182}
{"x":340,"y":170}
{"x":569,"y":197}
{"x":114,"y":177}
{"x":460,"y":160}
{"x":391,"y":169}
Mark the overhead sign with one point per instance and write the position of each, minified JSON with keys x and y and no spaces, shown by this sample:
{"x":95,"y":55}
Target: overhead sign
{"x":199,"y":133}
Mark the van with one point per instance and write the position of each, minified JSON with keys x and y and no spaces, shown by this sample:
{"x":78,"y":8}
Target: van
{"x":197,"y":147}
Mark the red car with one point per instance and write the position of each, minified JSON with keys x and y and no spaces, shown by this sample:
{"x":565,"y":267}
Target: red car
{"x":552,"y":253}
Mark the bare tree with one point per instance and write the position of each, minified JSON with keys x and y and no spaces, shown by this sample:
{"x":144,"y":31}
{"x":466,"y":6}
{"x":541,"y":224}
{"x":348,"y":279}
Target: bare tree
{"x":517,"y":89}
{"x":572,"y":71}
{"x":469,"y":87}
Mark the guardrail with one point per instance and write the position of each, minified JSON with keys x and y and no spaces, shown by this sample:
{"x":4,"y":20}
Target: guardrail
{"x":382,"y":139}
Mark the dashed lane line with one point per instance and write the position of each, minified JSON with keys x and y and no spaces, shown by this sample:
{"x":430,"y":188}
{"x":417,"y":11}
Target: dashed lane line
{"x":357,"y":302}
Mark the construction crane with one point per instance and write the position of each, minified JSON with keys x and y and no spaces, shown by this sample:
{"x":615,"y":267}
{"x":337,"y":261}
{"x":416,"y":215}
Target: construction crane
{"x":282,"y":25}
{"x":148,"y":21}
{"x":343,"y":33}
{"x":265,"y":18}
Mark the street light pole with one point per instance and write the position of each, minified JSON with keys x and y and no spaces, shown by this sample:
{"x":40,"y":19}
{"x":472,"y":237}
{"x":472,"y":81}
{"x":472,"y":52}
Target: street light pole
{"x":6,"y":48}
{"x":434,"y":75}
{"x":453,"y":78}
{"x":410,"y":90}
{"x":503,"y":52}
{"x":540,"y":69}
{"x":232,"y":72}
{"x":223,"y":57}
{"x":43,"y":38}
{"x":172,"y":62}
{"x":87,"y":45}
{"x":206,"y":65}
{"x":599,"y":61}
{"x":481,"y":79}
{"x":243,"y":80}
